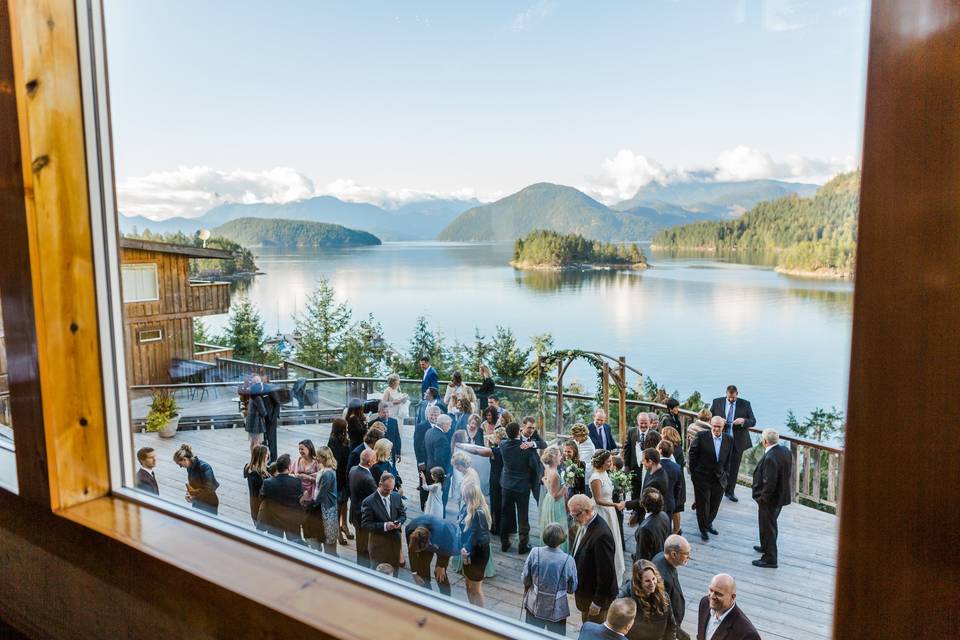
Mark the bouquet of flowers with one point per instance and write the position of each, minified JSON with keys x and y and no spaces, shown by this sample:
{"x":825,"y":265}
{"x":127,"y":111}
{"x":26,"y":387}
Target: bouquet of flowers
{"x":622,"y":480}
{"x":570,"y":474}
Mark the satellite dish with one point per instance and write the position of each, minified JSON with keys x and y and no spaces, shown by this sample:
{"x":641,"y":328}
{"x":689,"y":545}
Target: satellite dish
{"x":204,"y":235}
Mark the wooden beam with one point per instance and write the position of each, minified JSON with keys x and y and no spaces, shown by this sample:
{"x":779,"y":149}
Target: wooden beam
{"x":622,"y":401}
{"x":179,"y":249}
{"x":898,"y":559}
{"x":47,"y":86}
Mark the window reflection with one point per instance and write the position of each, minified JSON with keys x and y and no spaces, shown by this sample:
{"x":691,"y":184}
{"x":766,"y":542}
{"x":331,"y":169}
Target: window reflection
{"x":8,"y":462}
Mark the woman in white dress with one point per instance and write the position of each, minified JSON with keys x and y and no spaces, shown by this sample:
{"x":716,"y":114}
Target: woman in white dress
{"x":586,"y":449}
{"x":398,"y":403}
{"x":457,"y":389}
{"x":602,"y":488}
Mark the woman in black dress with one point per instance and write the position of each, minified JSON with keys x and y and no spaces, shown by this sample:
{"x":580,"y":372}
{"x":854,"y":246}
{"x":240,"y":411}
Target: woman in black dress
{"x":356,"y":424}
{"x":672,"y":436}
{"x":201,"y":482}
{"x":474,"y":523}
{"x":255,"y":471}
{"x":487,"y":387}
{"x":339,"y":444}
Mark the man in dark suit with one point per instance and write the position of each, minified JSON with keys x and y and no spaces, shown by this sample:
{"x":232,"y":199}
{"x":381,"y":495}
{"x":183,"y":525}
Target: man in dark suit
{"x":369,"y":439}
{"x":656,"y":477}
{"x":361,"y":485}
{"x":518,"y":465}
{"x":674,"y":478}
{"x":436,"y":444}
{"x":676,"y":553}
{"x":593,"y":551}
{"x":719,"y":617}
{"x":633,"y":451}
{"x":771,"y":490}
{"x":599,"y":431}
{"x":392,"y":428}
{"x":382,"y":514}
{"x":280,"y":511}
{"x":654,"y":528}
{"x":619,"y":621}
{"x":419,"y":450}
{"x":530,"y":439}
{"x":738,"y":419}
{"x":431,"y":399}
{"x":430,"y":377}
{"x":146,"y":479}
{"x":709,"y":458}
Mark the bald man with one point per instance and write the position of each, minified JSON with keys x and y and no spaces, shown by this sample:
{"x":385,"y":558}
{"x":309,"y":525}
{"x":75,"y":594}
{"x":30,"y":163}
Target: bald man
{"x":361,"y":484}
{"x":675,"y":554}
{"x":720,"y":617}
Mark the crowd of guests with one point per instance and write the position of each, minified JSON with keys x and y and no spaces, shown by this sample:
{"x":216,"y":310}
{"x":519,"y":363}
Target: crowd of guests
{"x":478,"y":468}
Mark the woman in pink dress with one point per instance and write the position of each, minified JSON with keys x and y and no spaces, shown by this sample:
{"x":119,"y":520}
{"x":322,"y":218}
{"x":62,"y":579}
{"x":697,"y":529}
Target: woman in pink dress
{"x":305,"y":468}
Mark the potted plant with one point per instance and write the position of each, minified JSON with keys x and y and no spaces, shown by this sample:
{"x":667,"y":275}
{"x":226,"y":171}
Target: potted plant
{"x":163,"y":416}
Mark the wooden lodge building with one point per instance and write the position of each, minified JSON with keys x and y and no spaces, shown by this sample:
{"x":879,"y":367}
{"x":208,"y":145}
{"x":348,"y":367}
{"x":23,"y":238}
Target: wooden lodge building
{"x":160,"y":302}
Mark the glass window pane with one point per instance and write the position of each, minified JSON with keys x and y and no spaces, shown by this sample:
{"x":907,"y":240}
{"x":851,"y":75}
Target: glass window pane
{"x":140,"y":283}
{"x":8,"y":461}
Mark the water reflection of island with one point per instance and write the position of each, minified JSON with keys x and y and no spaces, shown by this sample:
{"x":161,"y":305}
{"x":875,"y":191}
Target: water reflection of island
{"x":551,"y":281}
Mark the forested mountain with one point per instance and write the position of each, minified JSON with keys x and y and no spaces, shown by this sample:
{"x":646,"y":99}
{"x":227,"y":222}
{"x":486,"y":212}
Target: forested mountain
{"x":815,"y":234}
{"x":550,"y":250}
{"x":715,"y":199}
{"x":259,"y":232}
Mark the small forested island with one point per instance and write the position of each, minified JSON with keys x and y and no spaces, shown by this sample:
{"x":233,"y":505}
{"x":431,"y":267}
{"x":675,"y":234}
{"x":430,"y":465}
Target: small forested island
{"x":278,"y":232}
{"x":548,"y":250}
{"x":811,"y":237}
{"x":242,"y":265}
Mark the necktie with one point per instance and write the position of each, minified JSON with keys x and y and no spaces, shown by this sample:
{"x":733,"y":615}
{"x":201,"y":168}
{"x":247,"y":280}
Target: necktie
{"x":386,"y":505}
{"x":730,"y":415}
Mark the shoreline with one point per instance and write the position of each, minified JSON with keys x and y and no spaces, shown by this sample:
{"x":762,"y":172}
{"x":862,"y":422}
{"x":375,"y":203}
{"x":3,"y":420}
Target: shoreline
{"x":815,"y":274}
{"x":526,"y":266}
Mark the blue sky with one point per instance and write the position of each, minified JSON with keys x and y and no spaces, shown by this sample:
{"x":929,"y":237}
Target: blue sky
{"x":390,"y":101}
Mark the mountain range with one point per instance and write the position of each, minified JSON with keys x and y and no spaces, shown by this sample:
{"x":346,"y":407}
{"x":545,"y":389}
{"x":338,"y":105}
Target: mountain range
{"x":543,"y":205}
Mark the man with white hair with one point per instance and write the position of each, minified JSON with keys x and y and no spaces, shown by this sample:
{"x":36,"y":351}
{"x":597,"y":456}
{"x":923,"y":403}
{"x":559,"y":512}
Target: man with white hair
{"x":599,"y":431}
{"x":419,"y":450}
{"x":709,"y":457}
{"x":720,"y":617}
{"x":771,"y":490}
{"x":593,"y":550}
{"x":436,"y":444}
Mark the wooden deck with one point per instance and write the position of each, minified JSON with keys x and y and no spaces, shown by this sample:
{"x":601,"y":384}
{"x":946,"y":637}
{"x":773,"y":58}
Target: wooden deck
{"x":794,"y":601}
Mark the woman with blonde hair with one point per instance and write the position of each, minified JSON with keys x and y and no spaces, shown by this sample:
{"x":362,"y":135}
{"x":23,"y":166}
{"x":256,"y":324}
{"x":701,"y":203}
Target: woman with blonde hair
{"x":602,"y":488}
{"x":654,"y":619}
{"x":581,"y":435}
{"x":398,"y":403}
{"x":672,"y":436}
{"x":474,"y":523}
{"x":321,"y":522}
{"x":201,"y":482}
{"x":702,"y":423}
{"x":487,"y":387}
{"x":383,"y":449}
{"x":255,"y":472}
{"x":553,"y":504}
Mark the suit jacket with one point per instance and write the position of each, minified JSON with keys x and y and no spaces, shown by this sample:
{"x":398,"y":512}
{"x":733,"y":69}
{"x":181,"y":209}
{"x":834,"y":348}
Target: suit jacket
{"x":393,"y":434}
{"x":422,"y":410}
{"x":519,"y":465}
{"x":354,"y":458}
{"x":444,"y":535}
{"x":419,"y":432}
{"x":651,"y":534}
{"x":595,"y":436}
{"x":362,"y":485}
{"x":146,"y":481}
{"x":430,"y":379}
{"x":771,"y":478}
{"x":280,"y":508}
{"x":630,"y":460}
{"x":536,"y":476}
{"x":671,"y":585}
{"x":741,"y":432}
{"x":597,"y":631}
{"x":383,"y":545}
{"x":597,"y":579}
{"x":675,"y":487}
{"x":659,"y":481}
{"x":703,"y":460}
{"x":436,"y":444}
{"x":735,"y":626}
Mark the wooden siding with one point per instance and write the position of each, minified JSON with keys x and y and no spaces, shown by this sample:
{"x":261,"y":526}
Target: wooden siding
{"x":149,"y":362}
{"x":209,"y":298}
{"x":173,"y":280}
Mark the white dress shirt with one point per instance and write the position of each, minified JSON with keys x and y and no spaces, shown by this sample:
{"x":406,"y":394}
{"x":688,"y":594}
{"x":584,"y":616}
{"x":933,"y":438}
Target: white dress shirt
{"x":713,"y":622}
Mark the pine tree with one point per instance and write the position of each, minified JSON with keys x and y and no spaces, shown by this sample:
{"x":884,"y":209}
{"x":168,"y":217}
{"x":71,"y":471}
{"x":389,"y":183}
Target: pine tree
{"x":320,"y":328}
{"x":424,"y":342}
{"x":508,"y":361}
{"x":364,"y":350}
{"x":244,"y":332}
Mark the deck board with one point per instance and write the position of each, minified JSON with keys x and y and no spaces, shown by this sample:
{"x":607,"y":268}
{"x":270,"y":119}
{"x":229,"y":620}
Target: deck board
{"x":794,"y":601}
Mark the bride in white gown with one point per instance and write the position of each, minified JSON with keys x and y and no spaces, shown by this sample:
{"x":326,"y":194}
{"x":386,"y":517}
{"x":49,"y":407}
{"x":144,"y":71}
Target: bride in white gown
{"x":602,"y":488}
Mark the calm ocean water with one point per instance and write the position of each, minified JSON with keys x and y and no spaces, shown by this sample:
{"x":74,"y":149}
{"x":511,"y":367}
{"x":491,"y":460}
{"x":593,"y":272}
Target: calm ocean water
{"x":689,"y":322}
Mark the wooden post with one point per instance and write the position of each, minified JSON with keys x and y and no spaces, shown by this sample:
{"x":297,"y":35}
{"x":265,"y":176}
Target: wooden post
{"x":622,"y":401}
{"x":559,"y":421}
{"x":606,"y":388}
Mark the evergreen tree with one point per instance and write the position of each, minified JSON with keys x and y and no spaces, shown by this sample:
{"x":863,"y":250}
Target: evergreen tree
{"x":364,"y":351}
{"x":203,"y":335}
{"x":424,"y":342}
{"x":477,"y":353}
{"x":508,"y":361}
{"x":320,"y":328}
{"x":244,"y":332}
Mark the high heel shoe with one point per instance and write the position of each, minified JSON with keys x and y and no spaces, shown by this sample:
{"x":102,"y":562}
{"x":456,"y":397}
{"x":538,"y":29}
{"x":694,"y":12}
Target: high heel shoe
{"x":343,"y":539}
{"x":346,"y":532}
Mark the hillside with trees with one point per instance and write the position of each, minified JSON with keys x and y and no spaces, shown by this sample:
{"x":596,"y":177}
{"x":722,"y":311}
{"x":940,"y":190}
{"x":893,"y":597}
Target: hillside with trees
{"x":554,"y":251}
{"x":813,"y":236}
{"x":261,"y":232}
{"x":242,"y":264}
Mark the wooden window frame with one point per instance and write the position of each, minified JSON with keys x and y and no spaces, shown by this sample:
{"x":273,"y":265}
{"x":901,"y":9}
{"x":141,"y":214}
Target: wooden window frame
{"x":142,"y":340}
{"x":69,"y":485}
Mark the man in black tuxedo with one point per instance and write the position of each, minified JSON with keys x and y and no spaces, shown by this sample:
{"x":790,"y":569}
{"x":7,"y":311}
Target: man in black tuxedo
{"x":437,"y":446}
{"x":771,"y":490}
{"x":280,"y":511}
{"x":719,"y":616}
{"x":146,"y":479}
{"x":392,"y":428}
{"x":675,"y":554}
{"x":361,"y":485}
{"x":419,"y":450}
{"x":633,"y":451}
{"x":530,"y":439}
{"x":382,"y":515}
{"x":519,"y":464}
{"x":709,"y":458}
{"x":599,"y":431}
{"x":593,"y":551}
{"x":738,"y":419}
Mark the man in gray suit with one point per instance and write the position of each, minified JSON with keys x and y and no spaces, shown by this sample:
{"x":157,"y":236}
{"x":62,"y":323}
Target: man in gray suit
{"x":771,"y":490}
{"x":675,"y":554}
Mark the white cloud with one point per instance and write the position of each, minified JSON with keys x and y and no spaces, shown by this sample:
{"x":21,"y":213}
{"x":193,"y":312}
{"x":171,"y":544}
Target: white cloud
{"x":623,"y":175}
{"x":746,"y":163}
{"x":522,"y":20}
{"x":191,"y":191}
{"x":782,"y":15}
{"x":351,"y":191}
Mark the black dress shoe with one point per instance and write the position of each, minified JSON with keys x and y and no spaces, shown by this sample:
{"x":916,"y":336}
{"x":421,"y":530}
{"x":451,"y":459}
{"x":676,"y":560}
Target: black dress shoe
{"x":704,"y":536}
{"x":758,"y":548}
{"x":713,"y":531}
{"x":764,"y":565}
{"x":732,"y":498}
{"x":524,"y":549}
{"x":505,"y":547}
